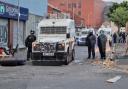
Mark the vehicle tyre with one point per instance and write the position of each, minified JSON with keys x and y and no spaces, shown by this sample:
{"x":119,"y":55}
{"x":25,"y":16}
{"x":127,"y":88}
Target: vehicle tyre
{"x":67,"y":58}
{"x":73,"y":54}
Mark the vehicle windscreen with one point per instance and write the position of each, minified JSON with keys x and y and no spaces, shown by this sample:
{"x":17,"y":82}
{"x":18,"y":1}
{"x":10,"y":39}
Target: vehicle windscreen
{"x":84,"y":33}
{"x":53,"y":30}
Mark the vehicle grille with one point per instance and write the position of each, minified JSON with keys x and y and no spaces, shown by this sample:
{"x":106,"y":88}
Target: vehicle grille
{"x":48,"y":47}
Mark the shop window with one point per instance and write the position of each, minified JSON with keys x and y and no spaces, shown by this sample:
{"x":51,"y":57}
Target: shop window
{"x":3,"y":34}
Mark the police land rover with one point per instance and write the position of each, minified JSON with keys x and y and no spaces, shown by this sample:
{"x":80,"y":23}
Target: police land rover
{"x":55,"y":41}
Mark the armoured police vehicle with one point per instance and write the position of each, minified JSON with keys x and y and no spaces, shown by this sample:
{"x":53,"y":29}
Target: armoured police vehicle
{"x":55,"y":41}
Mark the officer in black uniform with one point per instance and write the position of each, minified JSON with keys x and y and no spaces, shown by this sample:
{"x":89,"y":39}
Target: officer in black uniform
{"x":101,"y":41}
{"x":28,"y":43}
{"x":91,"y":41}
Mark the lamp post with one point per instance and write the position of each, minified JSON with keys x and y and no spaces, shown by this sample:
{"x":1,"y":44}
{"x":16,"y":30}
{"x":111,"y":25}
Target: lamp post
{"x":73,"y":16}
{"x":67,"y":5}
{"x":18,"y":25}
{"x":81,"y":22}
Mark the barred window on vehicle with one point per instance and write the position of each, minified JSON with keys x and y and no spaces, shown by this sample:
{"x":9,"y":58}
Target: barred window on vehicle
{"x":85,"y":32}
{"x":53,"y":30}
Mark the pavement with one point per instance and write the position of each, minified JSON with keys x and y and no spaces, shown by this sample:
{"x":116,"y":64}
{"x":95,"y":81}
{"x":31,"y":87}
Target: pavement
{"x":123,"y":64}
{"x":121,"y":57}
{"x":19,"y":58}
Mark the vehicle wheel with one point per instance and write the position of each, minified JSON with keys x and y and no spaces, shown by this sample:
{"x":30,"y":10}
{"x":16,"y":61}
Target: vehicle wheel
{"x":73,"y":54}
{"x":67,"y":58}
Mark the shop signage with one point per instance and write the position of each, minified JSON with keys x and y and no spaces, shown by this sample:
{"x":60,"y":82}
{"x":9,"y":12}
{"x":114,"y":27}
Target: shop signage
{"x":11,"y":11}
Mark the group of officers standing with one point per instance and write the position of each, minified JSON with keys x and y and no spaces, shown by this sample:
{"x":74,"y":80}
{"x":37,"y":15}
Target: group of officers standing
{"x":101,"y":41}
{"x":91,"y":41}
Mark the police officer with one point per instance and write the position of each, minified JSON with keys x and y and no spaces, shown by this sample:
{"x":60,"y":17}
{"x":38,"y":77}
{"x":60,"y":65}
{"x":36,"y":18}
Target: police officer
{"x":91,"y":41}
{"x":28,"y":43}
{"x":101,"y":41}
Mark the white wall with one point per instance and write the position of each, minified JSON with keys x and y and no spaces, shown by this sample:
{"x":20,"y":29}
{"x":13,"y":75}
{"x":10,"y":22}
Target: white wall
{"x":32,"y":23}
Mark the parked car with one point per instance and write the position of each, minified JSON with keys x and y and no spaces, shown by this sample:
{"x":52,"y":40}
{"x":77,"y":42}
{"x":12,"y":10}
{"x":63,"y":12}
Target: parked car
{"x":107,"y":31}
{"x":82,"y":39}
{"x":78,"y":34}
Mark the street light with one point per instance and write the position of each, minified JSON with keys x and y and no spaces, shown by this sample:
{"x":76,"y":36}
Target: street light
{"x":67,"y":5}
{"x":73,"y":16}
{"x":81,"y":22}
{"x":18,"y":25}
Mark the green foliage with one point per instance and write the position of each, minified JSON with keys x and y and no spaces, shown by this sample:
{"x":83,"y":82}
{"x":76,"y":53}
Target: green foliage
{"x":119,"y":13}
{"x":119,"y":16}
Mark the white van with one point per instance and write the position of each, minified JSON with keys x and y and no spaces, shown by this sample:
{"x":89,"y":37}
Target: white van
{"x":107,"y":31}
{"x":55,"y":41}
{"x":81,"y":40}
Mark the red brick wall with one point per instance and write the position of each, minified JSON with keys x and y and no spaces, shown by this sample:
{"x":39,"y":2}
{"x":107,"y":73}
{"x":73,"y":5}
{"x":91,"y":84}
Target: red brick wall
{"x":91,"y":10}
{"x":98,"y":12}
{"x":50,"y":9}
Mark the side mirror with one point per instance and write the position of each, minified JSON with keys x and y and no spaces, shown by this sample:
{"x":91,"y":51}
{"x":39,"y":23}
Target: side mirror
{"x":68,"y":35}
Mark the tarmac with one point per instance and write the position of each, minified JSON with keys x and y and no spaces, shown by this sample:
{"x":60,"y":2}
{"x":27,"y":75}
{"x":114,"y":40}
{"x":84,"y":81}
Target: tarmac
{"x":122,"y":59}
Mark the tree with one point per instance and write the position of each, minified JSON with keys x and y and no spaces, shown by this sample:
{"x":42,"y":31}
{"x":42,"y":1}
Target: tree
{"x":119,"y":16}
{"x":116,"y":5}
{"x":118,"y":13}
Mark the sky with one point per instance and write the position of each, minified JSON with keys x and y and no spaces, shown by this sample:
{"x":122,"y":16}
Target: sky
{"x":118,"y":1}
{"x":38,"y":7}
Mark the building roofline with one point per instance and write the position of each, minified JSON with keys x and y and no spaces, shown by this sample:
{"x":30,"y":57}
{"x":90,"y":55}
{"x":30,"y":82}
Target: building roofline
{"x":53,"y":7}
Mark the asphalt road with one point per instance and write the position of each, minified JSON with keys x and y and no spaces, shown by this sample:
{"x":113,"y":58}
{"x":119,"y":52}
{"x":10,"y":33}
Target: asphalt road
{"x":79,"y":74}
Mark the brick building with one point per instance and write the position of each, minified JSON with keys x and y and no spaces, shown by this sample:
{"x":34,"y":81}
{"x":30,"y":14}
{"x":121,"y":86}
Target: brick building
{"x":89,"y":12}
{"x":54,"y":12}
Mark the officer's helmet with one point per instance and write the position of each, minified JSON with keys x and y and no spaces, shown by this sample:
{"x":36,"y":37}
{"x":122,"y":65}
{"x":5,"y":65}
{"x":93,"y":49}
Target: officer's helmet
{"x":32,"y":32}
{"x":102,"y":32}
{"x":91,"y":32}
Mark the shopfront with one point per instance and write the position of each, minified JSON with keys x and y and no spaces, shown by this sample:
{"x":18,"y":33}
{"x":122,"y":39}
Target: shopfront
{"x":3,"y":32}
{"x":10,"y":34}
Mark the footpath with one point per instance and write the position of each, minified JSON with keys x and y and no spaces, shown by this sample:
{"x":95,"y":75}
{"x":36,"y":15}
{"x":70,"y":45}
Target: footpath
{"x":19,"y":58}
{"x":120,"y":56}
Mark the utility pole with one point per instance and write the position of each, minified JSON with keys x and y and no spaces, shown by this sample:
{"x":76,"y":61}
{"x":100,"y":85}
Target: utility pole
{"x":94,"y":15}
{"x":88,"y":15}
{"x":73,"y":16}
{"x":18,"y":25}
{"x":81,"y":12}
{"x":67,"y":5}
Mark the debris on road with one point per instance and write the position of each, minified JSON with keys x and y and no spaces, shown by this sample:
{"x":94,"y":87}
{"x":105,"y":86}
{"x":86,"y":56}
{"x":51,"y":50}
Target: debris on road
{"x":96,"y":61}
{"x":115,"y":79}
{"x":109,"y":63}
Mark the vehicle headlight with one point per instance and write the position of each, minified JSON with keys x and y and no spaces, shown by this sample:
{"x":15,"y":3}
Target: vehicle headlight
{"x":60,"y":46}
{"x":36,"y":47}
